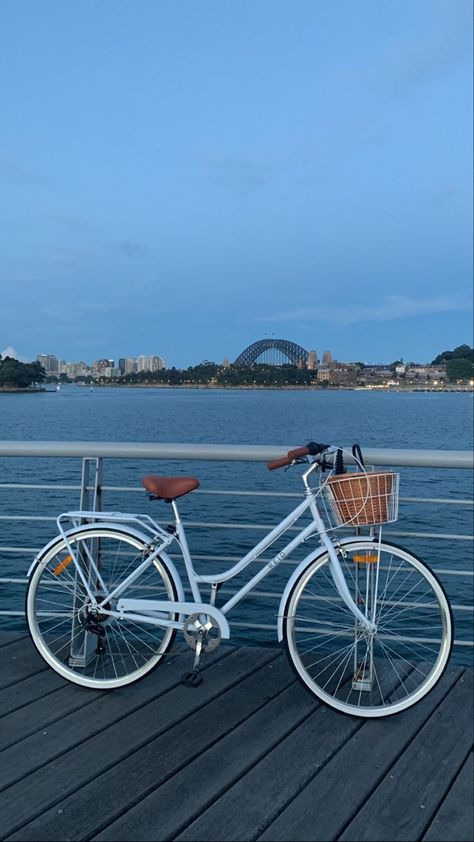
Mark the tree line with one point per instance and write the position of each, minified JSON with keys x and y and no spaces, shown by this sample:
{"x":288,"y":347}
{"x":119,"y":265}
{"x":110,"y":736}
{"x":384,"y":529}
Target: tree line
{"x":17,"y":375}
{"x":459,"y":362}
{"x":207,"y":373}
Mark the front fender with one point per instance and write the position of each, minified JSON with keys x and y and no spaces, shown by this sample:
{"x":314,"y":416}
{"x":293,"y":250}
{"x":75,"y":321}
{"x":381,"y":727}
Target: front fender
{"x":141,"y":536}
{"x":298,"y":571}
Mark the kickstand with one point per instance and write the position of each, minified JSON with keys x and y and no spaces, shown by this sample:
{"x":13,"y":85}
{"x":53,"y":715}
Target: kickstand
{"x":194,"y":677}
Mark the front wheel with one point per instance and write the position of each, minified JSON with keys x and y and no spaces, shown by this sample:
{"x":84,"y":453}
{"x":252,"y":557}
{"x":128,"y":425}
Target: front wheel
{"x":357,"y":672}
{"x":86,"y":647}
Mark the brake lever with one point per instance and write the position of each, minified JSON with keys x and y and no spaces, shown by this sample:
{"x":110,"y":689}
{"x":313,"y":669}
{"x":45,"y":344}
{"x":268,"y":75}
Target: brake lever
{"x":301,"y":460}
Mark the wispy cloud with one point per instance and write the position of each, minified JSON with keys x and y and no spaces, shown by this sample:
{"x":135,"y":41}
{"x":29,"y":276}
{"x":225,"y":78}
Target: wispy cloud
{"x":387,"y":309}
{"x":446,"y":41}
{"x":128,"y":247}
{"x":18,"y":175}
{"x":242,"y":175}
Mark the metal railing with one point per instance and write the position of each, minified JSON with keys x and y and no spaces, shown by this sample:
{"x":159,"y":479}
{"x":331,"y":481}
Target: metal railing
{"x":36,"y":519}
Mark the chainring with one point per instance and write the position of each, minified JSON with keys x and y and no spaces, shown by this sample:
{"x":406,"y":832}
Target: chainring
{"x":204,"y":628}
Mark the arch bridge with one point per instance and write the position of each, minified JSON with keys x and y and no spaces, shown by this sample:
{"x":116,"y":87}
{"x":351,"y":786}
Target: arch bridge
{"x":294,"y":353}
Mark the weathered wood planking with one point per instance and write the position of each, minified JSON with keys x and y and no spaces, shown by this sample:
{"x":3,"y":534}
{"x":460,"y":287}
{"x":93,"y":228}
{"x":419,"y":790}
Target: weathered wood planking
{"x":249,"y":754}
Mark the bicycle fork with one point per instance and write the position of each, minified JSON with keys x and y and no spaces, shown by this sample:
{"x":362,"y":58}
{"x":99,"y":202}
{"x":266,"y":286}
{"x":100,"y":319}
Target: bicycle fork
{"x":364,"y":623}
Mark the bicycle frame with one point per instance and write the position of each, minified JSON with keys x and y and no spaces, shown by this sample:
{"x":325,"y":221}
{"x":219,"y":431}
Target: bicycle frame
{"x":156,"y":612}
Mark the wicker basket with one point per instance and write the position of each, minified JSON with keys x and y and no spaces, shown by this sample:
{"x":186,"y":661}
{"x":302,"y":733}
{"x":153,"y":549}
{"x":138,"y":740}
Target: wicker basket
{"x":363,"y":499}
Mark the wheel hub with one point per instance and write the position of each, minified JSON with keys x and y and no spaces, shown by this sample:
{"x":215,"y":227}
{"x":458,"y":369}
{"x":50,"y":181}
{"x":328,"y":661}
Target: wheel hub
{"x":91,"y":619}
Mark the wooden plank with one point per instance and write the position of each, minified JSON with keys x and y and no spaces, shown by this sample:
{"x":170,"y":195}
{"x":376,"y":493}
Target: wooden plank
{"x":19,"y":660}
{"x":85,"y":811}
{"x":62,"y":735}
{"x":180,"y":799}
{"x":8,"y":636}
{"x":49,"y":784}
{"x":28,"y":690}
{"x":266,"y":794}
{"x":336,"y":793}
{"x":455,"y":818}
{"x":248,"y":806}
{"x":406,"y":800}
{"x":43,"y":712}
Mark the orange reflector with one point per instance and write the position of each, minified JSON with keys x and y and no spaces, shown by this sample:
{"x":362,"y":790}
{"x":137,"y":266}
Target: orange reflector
{"x":365,"y":559}
{"x":62,"y":565}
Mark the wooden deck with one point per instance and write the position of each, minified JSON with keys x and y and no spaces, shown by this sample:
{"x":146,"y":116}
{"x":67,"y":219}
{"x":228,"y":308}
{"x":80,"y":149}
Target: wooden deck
{"x":247,"y":755}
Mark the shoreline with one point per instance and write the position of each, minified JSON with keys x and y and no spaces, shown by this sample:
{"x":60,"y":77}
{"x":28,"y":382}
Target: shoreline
{"x":244,"y":387}
{"x":18,"y":390}
{"x":286,"y":388}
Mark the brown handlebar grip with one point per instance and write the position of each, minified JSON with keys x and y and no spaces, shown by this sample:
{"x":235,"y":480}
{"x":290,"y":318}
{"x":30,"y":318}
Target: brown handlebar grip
{"x":297,"y":452}
{"x":279,"y":463}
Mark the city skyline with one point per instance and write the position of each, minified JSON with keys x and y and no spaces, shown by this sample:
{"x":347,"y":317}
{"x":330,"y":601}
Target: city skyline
{"x":189,"y":176}
{"x":157,"y":362}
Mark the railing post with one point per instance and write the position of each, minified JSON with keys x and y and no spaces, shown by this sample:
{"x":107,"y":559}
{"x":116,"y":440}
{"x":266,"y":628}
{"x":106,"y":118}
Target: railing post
{"x":91,"y":488}
{"x":83,"y":643}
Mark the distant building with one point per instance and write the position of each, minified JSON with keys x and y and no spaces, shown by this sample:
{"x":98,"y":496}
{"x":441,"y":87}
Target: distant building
{"x":102,"y":368}
{"x":343,"y":375}
{"x":155,"y":363}
{"x":425,"y":372}
{"x":327,"y":357}
{"x":49,"y":362}
{"x":130,"y":365}
{"x":312,"y":360}
{"x":373,"y":374}
{"x":149,"y":363}
{"x":142,"y":363}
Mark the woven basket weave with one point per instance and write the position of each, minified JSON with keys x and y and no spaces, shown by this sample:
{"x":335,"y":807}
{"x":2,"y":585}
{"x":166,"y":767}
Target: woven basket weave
{"x":362,"y":498}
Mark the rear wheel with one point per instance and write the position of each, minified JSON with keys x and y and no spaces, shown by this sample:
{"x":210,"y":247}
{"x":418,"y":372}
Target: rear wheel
{"x":86,"y":647}
{"x":346,"y":667}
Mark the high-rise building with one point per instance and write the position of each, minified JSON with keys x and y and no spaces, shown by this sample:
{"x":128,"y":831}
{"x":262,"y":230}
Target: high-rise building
{"x":312,"y":360}
{"x":49,"y":362}
{"x":155,"y":363}
{"x":327,"y":357}
{"x":102,"y":368}
{"x":130,"y":365}
{"x":149,"y":363}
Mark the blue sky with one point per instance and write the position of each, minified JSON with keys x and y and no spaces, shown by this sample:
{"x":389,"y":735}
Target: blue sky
{"x":184,"y":177}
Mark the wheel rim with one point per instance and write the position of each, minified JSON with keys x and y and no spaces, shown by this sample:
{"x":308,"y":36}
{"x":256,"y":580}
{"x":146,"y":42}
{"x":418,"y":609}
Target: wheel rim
{"x":351,"y":670}
{"x":96,"y":650}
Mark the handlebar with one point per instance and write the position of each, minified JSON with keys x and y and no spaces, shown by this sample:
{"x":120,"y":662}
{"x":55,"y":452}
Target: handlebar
{"x":313,"y":448}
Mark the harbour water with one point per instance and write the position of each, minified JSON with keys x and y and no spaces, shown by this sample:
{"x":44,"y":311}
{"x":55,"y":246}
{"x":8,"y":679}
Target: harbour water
{"x":413,"y":420}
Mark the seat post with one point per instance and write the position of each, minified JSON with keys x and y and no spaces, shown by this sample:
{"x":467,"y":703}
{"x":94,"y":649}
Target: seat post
{"x":177,"y":518}
{"x":183,"y":543}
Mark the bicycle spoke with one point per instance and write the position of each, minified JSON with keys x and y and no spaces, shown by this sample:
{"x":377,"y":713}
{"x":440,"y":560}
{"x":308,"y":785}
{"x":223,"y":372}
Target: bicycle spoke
{"x":83,"y":643}
{"x":393,"y":666}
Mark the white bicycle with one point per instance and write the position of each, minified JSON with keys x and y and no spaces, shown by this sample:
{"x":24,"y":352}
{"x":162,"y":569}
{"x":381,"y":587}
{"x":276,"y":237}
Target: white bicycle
{"x":366,"y":625}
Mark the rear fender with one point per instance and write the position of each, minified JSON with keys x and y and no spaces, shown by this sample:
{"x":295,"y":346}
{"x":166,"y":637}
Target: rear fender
{"x":141,"y":536}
